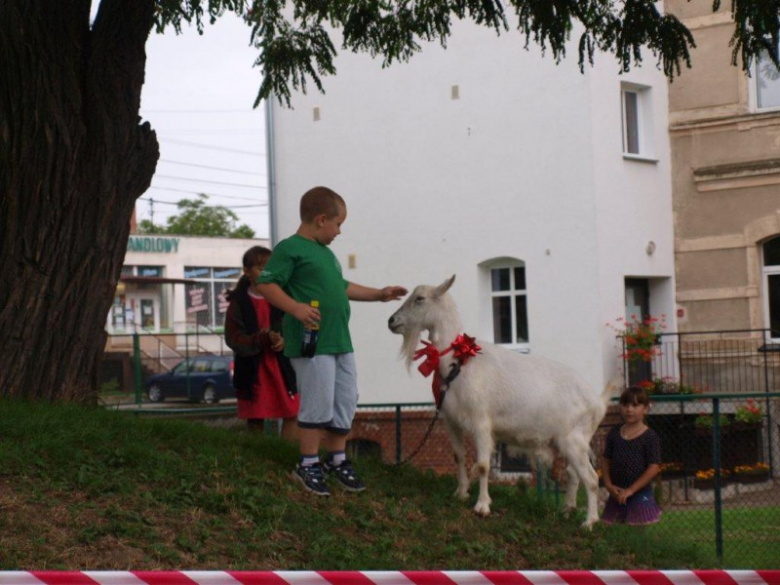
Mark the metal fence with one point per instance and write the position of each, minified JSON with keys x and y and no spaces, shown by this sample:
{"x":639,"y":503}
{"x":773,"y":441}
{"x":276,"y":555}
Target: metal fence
{"x":719,"y":362}
{"x":720,"y":482}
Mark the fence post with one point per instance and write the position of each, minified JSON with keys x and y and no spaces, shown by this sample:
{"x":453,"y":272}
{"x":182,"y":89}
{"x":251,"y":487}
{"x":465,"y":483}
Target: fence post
{"x":189,"y":365}
{"x":539,"y":480}
{"x":768,"y":406}
{"x":398,"y":434}
{"x":679,"y":358}
{"x":716,"y":462}
{"x":137,"y":368}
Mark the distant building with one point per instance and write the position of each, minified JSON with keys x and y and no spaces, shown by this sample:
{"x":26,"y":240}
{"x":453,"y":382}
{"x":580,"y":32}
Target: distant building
{"x":724,"y":130}
{"x":176,"y":283}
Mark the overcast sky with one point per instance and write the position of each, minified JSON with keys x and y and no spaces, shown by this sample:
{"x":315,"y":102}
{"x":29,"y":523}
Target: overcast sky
{"x":198,"y":96}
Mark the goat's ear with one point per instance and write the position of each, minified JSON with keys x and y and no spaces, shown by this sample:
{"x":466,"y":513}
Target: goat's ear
{"x":444,"y":286}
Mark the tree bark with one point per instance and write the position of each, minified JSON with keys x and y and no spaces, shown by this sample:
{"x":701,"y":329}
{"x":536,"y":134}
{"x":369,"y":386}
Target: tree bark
{"x":74,"y":157}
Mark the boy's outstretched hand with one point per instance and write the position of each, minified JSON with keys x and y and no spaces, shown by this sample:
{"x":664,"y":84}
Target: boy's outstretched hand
{"x":392,"y":293}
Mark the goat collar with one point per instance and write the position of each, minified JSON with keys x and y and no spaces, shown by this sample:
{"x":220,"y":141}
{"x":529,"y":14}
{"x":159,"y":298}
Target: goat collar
{"x":463,"y":348}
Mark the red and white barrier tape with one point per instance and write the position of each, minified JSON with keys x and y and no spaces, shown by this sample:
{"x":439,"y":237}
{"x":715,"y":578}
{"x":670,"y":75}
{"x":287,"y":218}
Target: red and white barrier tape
{"x":390,"y":577}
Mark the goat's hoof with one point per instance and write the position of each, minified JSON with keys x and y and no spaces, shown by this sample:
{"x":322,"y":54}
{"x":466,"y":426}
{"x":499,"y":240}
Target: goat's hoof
{"x":568,"y":511}
{"x":482,"y":509}
{"x":588,"y":524}
{"x":461,"y":494}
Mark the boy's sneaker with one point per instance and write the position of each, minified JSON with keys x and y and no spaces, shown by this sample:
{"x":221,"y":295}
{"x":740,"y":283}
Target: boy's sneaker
{"x":346,"y":476}
{"x":312,"y":478}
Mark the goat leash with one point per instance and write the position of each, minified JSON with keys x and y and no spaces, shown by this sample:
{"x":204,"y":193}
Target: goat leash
{"x":464,"y":347}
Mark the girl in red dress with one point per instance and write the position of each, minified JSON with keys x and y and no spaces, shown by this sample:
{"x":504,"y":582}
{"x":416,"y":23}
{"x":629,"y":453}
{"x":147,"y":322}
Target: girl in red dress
{"x":263,"y":378}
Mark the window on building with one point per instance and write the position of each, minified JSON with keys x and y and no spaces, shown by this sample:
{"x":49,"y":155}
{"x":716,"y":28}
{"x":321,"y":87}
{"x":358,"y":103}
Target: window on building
{"x":637,"y":121}
{"x":205,"y":300}
{"x":155,"y":271}
{"x":198,"y":296}
{"x":509,"y":304}
{"x":152,"y":271}
{"x":767,"y":83}
{"x":363,"y":448}
{"x":506,"y":463}
{"x":630,"y":122}
{"x":224,"y":280}
{"x":771,"y":250}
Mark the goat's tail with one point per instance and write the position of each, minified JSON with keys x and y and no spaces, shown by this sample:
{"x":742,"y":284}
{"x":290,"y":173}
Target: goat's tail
{"x":593,"y":459}
{"x":612,"y":388}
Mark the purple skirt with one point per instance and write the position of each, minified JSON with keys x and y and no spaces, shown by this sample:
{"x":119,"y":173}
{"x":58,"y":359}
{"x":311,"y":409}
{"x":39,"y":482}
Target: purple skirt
{"x":638,"y":510}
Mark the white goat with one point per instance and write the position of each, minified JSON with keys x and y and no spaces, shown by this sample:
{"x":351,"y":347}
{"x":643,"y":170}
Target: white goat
{"x":528,"y":402}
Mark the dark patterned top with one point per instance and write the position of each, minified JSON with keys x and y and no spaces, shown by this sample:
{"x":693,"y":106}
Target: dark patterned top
{"x":630,"y":459}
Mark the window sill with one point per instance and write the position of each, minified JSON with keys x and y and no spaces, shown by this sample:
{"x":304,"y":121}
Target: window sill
{"x":516,"y":348}
{"x":507,"y":476}
{"x":640,"y":158}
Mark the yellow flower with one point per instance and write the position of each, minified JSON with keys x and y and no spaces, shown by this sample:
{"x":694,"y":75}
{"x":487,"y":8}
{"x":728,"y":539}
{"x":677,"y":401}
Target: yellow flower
{"x":710,"y":473}
{"x":759,"y":468}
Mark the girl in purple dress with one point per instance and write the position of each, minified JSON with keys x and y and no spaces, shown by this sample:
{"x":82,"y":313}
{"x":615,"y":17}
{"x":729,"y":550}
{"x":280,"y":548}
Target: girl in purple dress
{"x":632,"y":458}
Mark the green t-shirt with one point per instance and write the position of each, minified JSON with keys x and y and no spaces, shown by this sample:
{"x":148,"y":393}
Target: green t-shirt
{"x":306,"y":270}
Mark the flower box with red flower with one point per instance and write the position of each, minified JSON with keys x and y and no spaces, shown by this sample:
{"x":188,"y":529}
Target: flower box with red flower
{"x":749,"y":415}
{"x":641,"y":337}
{"x":641,"y":340}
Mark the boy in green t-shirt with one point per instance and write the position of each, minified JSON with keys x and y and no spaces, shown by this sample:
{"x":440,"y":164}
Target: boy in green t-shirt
{"x":301,"y":269}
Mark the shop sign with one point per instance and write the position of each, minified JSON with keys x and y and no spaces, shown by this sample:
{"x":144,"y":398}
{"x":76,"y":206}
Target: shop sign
{"x":153,"y":244}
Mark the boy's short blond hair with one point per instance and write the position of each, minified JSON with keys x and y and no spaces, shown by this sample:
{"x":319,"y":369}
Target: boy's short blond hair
{"x":318,"y":201}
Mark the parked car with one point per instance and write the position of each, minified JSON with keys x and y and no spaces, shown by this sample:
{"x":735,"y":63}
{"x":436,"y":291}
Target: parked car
{"x":205,"y":378}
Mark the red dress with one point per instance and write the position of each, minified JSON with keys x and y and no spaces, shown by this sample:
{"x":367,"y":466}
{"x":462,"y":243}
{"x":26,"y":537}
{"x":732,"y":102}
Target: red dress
{"x":271,"y":399}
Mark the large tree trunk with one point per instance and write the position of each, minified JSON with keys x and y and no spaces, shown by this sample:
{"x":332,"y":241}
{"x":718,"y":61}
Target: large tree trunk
{"x":73,"y":159}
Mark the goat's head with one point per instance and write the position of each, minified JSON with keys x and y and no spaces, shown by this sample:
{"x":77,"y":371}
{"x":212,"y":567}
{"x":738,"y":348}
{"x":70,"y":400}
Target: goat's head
{"x":427,"y":308}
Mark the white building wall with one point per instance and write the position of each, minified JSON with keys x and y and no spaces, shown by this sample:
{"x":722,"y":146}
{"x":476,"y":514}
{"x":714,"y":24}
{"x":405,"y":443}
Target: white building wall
{"x":523,"y":165}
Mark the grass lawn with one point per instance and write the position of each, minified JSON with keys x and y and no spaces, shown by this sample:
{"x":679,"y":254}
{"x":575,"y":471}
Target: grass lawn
{"x":751,"y":536}
{"x":89,"y":488}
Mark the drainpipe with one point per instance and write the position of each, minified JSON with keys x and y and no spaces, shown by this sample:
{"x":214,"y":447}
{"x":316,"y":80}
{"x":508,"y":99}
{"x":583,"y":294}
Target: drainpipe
{"x":271,"y":166}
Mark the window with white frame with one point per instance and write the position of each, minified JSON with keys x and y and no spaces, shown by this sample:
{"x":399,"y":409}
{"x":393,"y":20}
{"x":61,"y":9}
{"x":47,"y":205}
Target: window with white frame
{"x":509,"y":304}
{"x":771,"y":269}
{"x":767,"y":83}
{"x":637,"y":121}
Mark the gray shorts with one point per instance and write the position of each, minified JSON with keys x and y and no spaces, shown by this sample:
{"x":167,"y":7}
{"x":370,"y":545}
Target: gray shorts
{"x":327,"y":385}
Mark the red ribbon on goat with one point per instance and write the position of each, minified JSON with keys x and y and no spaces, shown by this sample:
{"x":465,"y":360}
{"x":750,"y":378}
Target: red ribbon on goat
{"x":431,"y":363}
{"x":463,"y":348}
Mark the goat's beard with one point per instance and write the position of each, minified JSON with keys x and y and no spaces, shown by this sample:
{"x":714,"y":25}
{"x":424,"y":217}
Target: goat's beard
{"x":409,"y":346}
